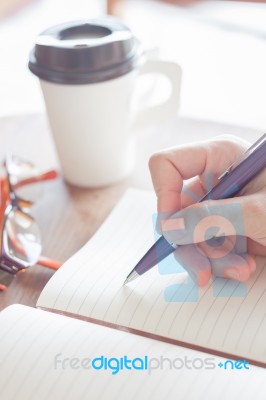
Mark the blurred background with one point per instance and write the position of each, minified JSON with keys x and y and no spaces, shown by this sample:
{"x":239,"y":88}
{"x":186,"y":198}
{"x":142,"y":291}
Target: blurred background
{"x":220,"y":45}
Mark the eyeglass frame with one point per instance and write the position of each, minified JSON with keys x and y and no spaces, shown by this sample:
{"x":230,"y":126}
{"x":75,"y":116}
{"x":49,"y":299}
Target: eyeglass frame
{"x":11,"y":266}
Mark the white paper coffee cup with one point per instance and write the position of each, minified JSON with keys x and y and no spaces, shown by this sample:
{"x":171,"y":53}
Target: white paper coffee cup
{"x":88,"y":72}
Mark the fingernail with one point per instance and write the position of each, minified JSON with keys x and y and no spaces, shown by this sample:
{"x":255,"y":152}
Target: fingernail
{"x":231,"y":274}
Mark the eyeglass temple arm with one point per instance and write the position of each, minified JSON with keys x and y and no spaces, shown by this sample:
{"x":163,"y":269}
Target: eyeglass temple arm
{"x":46,"y":176}
{"x":49,"y":263}
{"x":44,"y":262}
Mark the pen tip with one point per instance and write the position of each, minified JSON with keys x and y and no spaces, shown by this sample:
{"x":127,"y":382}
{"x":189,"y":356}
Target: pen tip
{"x":133,"y":275}
{"x":125,"y":282}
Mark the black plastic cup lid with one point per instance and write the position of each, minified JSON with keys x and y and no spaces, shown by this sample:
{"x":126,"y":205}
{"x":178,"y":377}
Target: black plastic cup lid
{"x":83,"y":52}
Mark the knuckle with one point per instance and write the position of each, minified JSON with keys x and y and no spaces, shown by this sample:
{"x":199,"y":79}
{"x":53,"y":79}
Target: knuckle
{"x":156,"y":159}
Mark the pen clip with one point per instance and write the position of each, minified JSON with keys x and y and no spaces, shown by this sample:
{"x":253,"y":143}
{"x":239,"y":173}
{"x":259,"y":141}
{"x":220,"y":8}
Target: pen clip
{"x":258,"y":143}
{"x":246,"y":154}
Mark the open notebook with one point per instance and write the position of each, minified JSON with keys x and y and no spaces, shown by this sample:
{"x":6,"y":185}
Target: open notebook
{"x":216,"y":326}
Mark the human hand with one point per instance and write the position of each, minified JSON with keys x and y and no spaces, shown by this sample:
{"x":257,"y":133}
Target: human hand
{"x":193,"y":165}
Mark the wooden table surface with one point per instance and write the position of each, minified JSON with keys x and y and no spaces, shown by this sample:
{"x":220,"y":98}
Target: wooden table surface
{"x":68,"y":216}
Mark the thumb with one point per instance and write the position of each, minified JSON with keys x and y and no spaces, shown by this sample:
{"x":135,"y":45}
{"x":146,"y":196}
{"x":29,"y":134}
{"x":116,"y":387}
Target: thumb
{"x":212,"y":218}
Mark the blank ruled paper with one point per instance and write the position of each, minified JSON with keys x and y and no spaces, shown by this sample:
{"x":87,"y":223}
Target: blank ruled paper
{"x":90,"y":285}
{"x":36,"y":348}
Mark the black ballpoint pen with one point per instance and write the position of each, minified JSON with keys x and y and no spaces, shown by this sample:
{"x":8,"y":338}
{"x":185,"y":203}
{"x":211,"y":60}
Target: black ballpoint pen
{"x":230,"y":183}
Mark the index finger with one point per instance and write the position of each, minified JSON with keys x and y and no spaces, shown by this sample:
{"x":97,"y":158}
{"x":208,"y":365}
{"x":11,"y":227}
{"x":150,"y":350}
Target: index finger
{"x":171,"y":167}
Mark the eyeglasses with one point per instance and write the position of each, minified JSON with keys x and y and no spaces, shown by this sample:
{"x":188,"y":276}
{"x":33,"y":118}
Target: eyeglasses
{"x":20,"y":240}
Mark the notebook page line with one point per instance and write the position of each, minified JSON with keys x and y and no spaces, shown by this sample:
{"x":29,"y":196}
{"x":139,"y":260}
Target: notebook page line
{"x":237,"y":310}
{"x":121,"y":258}
{"x":118,"y":242}
{"x":102,"y":236}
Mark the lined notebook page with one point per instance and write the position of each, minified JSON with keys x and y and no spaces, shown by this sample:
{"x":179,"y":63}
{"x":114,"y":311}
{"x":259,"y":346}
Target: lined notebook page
{"x":31,"y":341}
{"x":90,"y":285}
